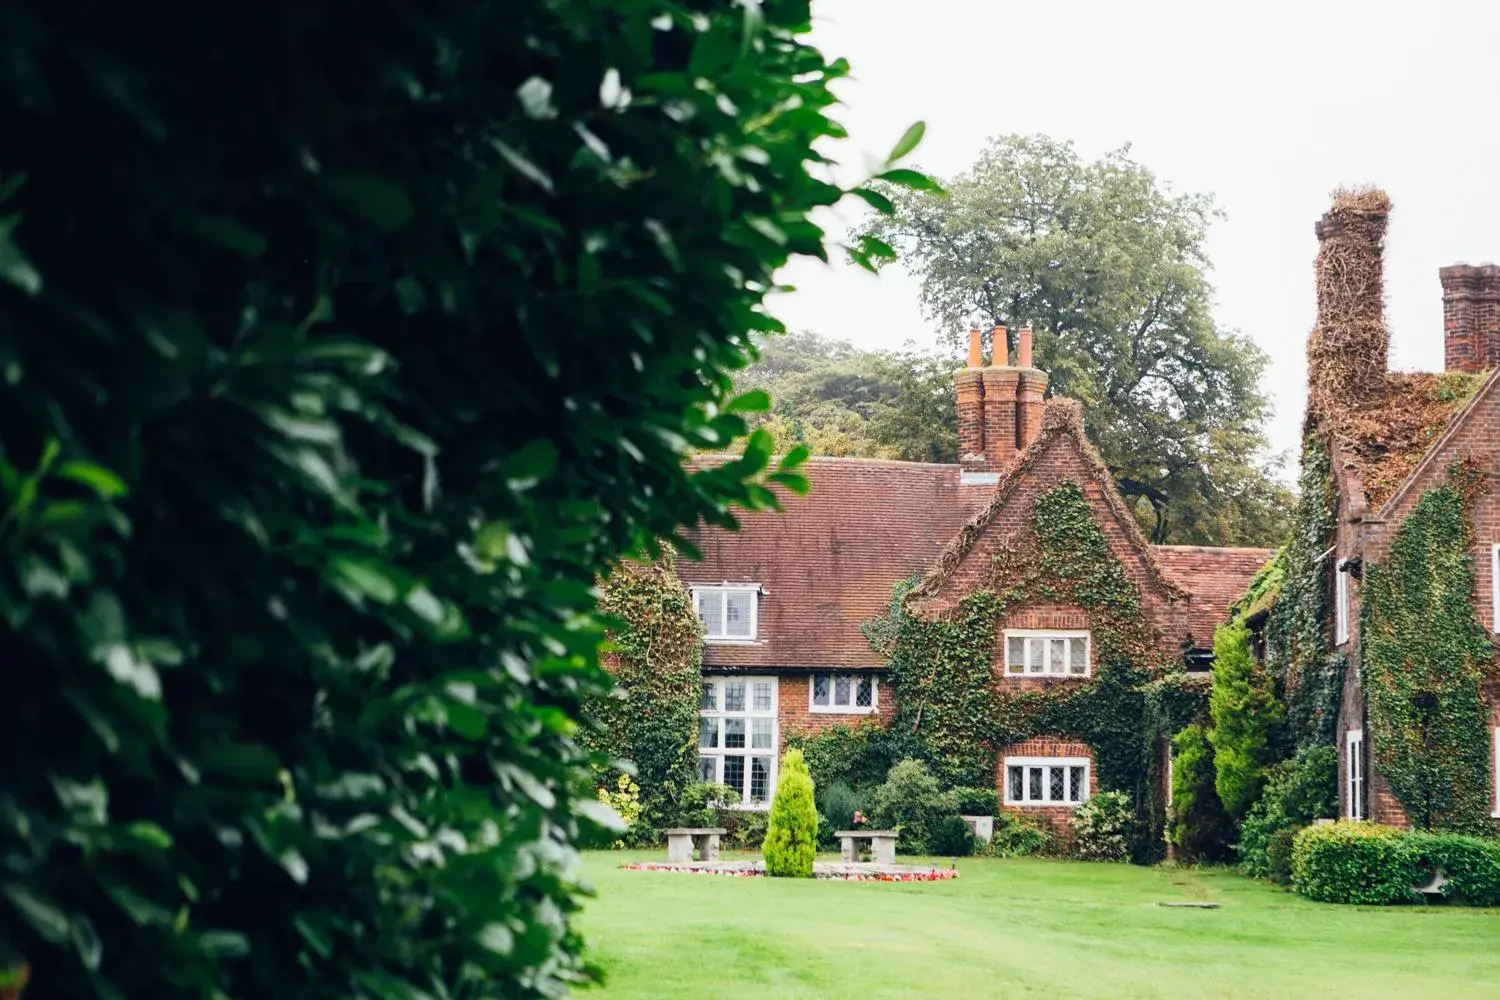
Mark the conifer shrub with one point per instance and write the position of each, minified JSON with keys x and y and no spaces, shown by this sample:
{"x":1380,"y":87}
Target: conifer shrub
{"x":1246,"y":714}
{"x":792,"y":829}
{"x":1200,"y":831}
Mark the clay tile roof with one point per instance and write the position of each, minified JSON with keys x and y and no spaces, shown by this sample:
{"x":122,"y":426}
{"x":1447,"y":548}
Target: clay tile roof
{"x":1214,"y":577}
{"x":830,"y":560}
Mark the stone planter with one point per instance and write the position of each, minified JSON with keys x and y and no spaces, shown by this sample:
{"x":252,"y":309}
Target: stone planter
{"x":982,"y":826}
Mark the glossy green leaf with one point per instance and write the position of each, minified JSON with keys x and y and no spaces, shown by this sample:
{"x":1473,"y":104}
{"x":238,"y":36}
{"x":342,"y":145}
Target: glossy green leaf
{"x":910,"y":140}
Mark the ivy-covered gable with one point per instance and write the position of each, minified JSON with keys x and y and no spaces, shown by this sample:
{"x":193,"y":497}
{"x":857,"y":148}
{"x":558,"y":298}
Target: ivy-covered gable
{"x":1013,"y":529}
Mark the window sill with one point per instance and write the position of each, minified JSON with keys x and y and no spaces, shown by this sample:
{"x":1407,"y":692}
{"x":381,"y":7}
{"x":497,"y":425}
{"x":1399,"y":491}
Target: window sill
{"x":1048,"y":677}
{"x":731,"y":642}
{"x":1042,"y":805}
{"x":838,"y":710}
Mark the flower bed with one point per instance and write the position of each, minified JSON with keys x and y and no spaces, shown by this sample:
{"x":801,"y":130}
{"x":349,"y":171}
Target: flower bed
{"x":824,"y":870}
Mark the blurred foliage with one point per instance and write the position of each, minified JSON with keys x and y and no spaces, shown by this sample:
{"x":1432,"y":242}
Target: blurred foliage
{"x":344,"y":349}
{"x":1111,"y":269}
{"x":837,"y":399}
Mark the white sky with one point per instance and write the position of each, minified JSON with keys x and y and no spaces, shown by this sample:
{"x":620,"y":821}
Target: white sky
{"x":1267,"y":107}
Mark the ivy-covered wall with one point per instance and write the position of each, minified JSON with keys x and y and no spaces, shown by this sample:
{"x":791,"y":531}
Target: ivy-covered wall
{"x":1308,"y":672}
{"x":1424,"y":660}
{"x":655,"y":654}
{"x":946,"y":663}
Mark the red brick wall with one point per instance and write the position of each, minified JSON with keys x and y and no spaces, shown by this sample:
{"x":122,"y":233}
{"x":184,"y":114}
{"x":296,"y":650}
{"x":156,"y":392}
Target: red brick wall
{"x":1012,"y":522}
{"x":1057,"y":819}
{"x":794,"y":712}
{"x":1371,"y":539}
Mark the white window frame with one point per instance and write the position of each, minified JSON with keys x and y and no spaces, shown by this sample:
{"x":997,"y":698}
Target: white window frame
{"x":1356,"y":780}
{"x":1025,"y":763}
{"x":1496,"y":772}
{"x":1495,"y":592}
{"x":718,"y":714}
{"x":833,"y":708}
{"x":722,"y":591}
{"x":1341,"y":604}
{"x":1071,"y":635}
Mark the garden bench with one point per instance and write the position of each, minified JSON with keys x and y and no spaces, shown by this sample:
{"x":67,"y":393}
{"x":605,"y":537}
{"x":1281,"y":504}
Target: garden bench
{"x":882,"y":845}
{"x":683,"y":840}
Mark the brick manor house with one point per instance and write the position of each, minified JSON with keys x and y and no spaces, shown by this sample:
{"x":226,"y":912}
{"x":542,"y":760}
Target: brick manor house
{"x":783,"y":598}
{"x":1392,"y":437}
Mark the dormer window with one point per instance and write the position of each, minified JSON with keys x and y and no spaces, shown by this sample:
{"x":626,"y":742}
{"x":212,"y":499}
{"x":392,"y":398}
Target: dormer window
{"x":729,"y":612}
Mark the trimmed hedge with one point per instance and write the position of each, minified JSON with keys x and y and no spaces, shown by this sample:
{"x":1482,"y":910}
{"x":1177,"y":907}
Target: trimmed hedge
{"x":1379,"y":865}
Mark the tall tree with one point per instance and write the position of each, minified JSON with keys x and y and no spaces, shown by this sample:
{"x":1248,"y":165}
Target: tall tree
{"x":1109,"y":267}
{"x":837,"y":399}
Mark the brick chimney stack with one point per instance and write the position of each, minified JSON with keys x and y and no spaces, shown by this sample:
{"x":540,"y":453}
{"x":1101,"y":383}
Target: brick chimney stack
{"x":1346,"y":353}
{"x":999,"y":405}
{"x":1471,"y":317}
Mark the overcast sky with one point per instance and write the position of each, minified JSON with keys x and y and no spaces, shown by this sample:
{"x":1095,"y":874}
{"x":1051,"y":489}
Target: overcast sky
{"x":1267,"y":109}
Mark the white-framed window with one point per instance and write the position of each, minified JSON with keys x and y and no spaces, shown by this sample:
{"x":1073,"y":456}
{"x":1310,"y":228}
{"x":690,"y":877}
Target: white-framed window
{"x":1355,"y":764}
{"x":1496,"y":772}
{"x":1495,"y":591}
{"x":846,"y":694}
{"x":1036,"y":653}
{"x":737,"y":736}
{"x":729,"y":613}
{"x":1046,"y":781}
{"x":1341,"y":604}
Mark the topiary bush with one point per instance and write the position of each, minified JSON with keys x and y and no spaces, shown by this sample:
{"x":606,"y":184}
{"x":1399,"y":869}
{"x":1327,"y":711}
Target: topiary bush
{"x":791,"y":840}
{"x":1471,"y":865}
{"x":1354,"y":863}
{"x":976,"y":801}
{"x":1296,"y":792}
{"x":1200,"y":831}
{"x":1104,"y":827}
{"x":951,"y":837}
{"x":912,"y":802}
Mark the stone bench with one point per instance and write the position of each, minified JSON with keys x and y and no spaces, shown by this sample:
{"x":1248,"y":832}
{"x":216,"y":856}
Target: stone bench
{"x":882,"y":845}
{"x":683,"y":840}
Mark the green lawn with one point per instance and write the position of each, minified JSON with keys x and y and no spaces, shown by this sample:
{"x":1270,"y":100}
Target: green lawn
{"x":1020,"y":928}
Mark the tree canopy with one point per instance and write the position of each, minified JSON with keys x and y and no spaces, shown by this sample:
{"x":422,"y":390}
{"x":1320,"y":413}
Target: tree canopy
{"x":836,"y":399}
{"x":344,"y":349}
{"x":1109,"y":267}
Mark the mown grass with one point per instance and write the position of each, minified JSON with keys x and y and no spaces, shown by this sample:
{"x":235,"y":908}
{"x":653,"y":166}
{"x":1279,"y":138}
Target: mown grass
{"x":1020,"y":928}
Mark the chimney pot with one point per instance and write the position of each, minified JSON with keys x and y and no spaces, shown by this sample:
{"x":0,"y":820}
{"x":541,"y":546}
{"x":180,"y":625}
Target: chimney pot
{"x":999,"y":347}
{"x":1023,"y":347}
{"x":976,"y":356}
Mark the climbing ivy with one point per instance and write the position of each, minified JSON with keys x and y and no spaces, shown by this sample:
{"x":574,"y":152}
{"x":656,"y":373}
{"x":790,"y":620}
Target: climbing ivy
{"x":656,"y":647}
{"x":943,"y":668}
{"x":1425,"y":659}
{"x":1303,"y":664}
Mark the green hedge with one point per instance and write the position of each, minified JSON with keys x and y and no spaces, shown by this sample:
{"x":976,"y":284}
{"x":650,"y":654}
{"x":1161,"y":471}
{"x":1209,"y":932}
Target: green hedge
{"x":1370,"y":864}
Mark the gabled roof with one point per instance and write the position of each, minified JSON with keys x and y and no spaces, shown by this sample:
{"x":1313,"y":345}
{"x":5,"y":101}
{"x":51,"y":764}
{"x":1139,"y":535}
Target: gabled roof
{"x":1062,"y":418}
{"x":1216,"y":577}
{"x":1381,"y":441}
{"x":1454,"y":427}
{"x":829,"y":561}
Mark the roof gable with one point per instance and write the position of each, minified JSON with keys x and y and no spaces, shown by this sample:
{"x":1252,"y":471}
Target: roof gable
{"x":1061,"y":451}
{"x":1465,"y":425}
